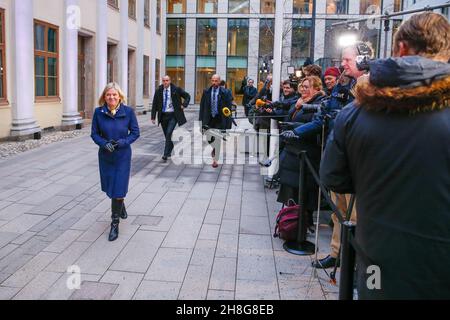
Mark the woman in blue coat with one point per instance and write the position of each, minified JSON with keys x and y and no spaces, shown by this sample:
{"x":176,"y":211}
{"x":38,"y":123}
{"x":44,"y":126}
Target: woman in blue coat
{"x":114,"y":129}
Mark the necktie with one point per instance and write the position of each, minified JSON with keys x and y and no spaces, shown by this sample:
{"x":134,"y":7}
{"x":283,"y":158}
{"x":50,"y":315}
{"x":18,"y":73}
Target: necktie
{"x":214,"y":103}
{"x":166,"y":98}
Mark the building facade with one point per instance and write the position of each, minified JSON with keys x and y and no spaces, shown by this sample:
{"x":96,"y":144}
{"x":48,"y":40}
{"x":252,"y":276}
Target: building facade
{"x":58,"y":55}
{"x":235,"y":38}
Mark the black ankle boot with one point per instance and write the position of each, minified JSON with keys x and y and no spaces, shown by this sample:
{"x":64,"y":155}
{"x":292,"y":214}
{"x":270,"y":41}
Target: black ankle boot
{"x":124,"y":213}
{"x":116,"y":210}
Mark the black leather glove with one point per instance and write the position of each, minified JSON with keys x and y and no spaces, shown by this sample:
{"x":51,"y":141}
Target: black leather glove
{"x":110,"y":147}
{"x":290,"y":134}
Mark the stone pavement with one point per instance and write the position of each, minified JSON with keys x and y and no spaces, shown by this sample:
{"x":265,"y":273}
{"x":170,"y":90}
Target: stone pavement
{"x":193,"y":232}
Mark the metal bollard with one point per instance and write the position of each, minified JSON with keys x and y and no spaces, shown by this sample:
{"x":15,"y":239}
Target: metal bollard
{"x":347,"y":261}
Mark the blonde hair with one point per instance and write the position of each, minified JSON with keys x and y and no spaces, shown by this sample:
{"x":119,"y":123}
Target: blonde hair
{"x":109,"y":86}
{"x":314,"y":82}
{"x":427,"y":34}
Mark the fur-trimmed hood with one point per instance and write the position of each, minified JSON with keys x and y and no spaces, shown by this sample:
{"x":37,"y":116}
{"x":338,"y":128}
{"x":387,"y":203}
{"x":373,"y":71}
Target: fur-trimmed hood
{"x":408,"y":84}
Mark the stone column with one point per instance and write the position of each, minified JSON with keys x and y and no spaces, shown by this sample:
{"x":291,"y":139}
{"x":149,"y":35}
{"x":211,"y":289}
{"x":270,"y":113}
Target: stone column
{"x":23,"y":121}
{"x":123,"y":47}
{"x":153,"y":50}
{"x":253,"y":49}
{"x":101,"y":51}
{"x":222,"y":48}
{"x":140,"y":57}
{"x":71,"y":117}
{"x":190,"y":63}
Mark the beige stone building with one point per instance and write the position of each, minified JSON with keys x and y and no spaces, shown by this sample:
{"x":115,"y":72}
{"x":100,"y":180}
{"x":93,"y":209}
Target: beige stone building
{"x":57,"y":55}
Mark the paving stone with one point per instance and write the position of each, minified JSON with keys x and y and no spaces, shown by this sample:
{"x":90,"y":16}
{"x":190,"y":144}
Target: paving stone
{"x":34,"y":245}
{"x":94,"y":291}
{"x":14,"y":261}
{"x":229,"y":227}
{"x":23,"y":238}
{"x":147,"y":220}
{"x":98,"y":258}
{"x":68,"y":257}
{"x":232,"y":211}
{"x":38,"y":286}
{"x":227,"y":246}
{"x":169,"y":264}
{"x":6,"y":293}
{"x":49,"y":207}
{"x":254,"y":225}
{"x":254,"y":204}
{"x":65,"y":240}
{"x":213,"y":217}
{"x":7,"y":237}
{"x":203,"y":254}
{"x":223,"y":276}
{"x":157,"y":290}
{"x":61,"y":291}
{"x":22,"y":223}
{"x":195,"y":284}
{"x":14,"y":211}
{"x":128,"y":283}
{"x":209,"y":232}
{"x":42,"y":195}
{"x":139,"y":252}
{"x":220,"y":295}
{"x":30,"y":270}
{"x":89,"y":219}
{"x":256,"y":290}
{"x":7,"y":249}
{"x":144,"y":204}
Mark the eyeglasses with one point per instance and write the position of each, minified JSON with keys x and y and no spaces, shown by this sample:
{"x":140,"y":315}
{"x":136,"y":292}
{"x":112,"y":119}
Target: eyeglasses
{"x":304,"y":87}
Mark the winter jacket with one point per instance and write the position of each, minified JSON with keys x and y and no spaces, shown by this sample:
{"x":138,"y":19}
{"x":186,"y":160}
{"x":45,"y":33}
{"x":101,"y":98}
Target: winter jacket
{"x":392,"y":148}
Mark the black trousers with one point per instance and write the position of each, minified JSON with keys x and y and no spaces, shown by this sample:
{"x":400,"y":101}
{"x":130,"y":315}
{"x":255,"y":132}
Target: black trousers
{"x":168,"y":123}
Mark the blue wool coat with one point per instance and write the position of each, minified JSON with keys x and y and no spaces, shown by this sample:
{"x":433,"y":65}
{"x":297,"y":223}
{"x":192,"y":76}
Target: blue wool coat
{"x":115,"y":167}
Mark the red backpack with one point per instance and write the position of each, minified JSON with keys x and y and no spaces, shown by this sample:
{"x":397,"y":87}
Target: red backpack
{"x":287,"y":221}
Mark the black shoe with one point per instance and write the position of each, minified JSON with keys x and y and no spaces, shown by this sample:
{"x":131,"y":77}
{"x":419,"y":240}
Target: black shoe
{"x":124,"y":214}
{"x":325,"y":263}
{"x":165,"y":158}
{"x":114,"y":233}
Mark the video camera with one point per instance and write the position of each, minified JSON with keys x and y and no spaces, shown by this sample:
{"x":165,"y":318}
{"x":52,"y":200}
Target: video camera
{"x":364,"y":57}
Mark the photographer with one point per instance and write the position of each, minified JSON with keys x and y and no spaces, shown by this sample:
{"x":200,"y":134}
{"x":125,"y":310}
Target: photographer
{"x":249,"y":92}
{"x":391,"y":148}
{"x":288,"y":98}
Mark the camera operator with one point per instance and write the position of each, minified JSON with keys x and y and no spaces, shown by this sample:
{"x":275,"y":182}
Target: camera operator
{"x":391,"y":148}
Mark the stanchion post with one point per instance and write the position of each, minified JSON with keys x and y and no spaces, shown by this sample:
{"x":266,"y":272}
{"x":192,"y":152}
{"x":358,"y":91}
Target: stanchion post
{"x":347,"y":262}
{"x":301,"y":246}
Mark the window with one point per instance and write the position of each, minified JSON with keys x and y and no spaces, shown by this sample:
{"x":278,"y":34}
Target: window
{"x":301,"y":40}
{"x":175,"y":69}
{"x":158,"y":16}
{"x":132,"y":9}
{"x":337,"y":6}
{"x":303,"y":6}
{"x":369,"y":6}
{"x":207,"y":6}
{"x":238,"y":6}
{"x":236,"y":71}
{"x":176,"y":36}
{"x":46,"y":52}
{"x":395,"y":25}
{"x":206,"y":68}
{"x":176,"y":6}
{"x":157,"y":72}
{"x":238,"y":37}
{"x":114,"y":3}
{"x":372,"y":36}
{"x":146,"y":82}
{"x":206,"y":37}
{"x":2,"y":58}
{"x":398,"y":5}
{"x":332,"y":50}
{"x":268,"y":6}
{"x":147,"y":13}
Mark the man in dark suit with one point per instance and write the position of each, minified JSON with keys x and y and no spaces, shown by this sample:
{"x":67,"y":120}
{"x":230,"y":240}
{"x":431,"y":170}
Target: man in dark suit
{"x":169,"y":108}
{"x":213,"y":102}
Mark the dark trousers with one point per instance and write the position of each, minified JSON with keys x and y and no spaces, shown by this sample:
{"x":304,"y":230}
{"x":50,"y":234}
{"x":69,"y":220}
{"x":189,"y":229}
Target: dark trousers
{"x":168,"y":123}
